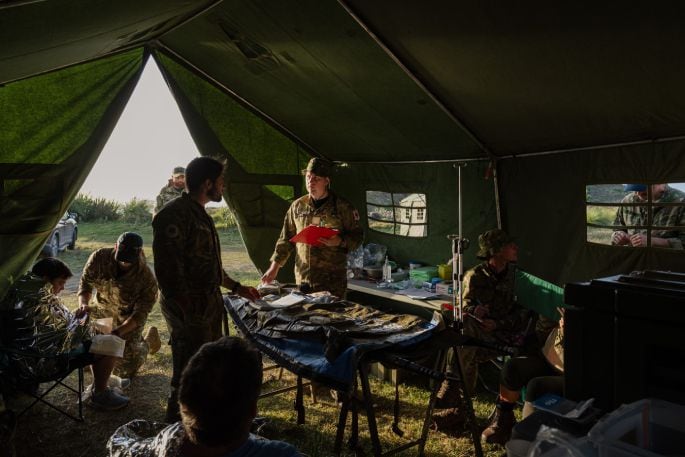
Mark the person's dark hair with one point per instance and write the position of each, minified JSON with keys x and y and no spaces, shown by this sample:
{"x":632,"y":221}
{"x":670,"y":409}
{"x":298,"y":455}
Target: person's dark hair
{"x":200,"y":169}
{"x":219,"y":390}
{"x":51,"y":268}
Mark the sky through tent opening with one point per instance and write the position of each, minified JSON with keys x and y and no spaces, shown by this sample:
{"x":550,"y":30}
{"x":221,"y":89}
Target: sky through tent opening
{"x":149,"y":140}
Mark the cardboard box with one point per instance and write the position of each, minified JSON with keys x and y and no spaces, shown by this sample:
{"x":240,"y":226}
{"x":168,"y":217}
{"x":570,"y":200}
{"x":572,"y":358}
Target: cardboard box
{"x":443,"y":288}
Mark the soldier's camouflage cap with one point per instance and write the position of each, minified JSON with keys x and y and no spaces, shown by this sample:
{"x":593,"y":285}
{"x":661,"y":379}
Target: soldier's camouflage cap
{"x":178,"y":171}
{"x":491,"y":242}
{"x":128,"y":247}
{"x":319,"y":167}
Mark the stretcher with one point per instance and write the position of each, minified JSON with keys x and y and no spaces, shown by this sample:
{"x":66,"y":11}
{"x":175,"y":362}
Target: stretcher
{"x":308,"y":355}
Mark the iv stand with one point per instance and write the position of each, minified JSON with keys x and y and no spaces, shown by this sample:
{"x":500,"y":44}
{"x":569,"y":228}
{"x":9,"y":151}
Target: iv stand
{"x":459,"y":245}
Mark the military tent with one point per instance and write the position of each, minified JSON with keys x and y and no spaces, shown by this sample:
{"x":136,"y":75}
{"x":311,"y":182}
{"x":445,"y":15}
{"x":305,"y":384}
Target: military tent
{"x":529,"y":101}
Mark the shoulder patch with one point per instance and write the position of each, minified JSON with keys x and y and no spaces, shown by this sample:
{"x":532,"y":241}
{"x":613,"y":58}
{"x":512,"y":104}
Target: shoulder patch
{"x":172,"y":231}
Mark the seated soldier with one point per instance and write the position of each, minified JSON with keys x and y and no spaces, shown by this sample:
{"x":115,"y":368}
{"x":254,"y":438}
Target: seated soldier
{"x":491,"y":314}
{"x":540,"y":373}
{"x":55,"y":330}
{"x":218,"y":402}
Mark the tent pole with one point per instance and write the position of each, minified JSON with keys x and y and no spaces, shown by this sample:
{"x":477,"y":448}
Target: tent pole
{"x":495,"y":181}
{"x":596,"y":147}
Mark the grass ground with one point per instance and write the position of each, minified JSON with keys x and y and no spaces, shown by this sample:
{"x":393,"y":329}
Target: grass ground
{"x":44,"y":432}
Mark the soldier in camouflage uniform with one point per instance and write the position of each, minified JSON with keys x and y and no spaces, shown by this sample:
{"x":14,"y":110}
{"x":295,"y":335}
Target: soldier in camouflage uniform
{"x":324,"y":266}
{"x":491,"y":314}
{"x":174,"y":189}
{"x":662,"y":216}
{"x":189,"y":270}
{"x":126,"y":291}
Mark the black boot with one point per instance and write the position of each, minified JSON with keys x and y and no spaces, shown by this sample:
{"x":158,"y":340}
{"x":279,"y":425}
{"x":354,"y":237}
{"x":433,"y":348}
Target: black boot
{"x":503,"y":421}
{"x":449,"y":395}
{"x":173,"y":412}
{"x":450,"y":421}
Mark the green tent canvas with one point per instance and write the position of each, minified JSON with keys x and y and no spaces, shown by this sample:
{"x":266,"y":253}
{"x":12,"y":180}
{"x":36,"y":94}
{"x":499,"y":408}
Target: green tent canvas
{"x":536,"y":100}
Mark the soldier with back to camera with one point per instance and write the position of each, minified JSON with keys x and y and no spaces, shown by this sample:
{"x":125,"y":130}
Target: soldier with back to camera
{"x":188,"y":265}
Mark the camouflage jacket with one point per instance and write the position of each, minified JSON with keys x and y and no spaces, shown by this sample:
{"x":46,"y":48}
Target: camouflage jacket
{"x":483,"y":286}
{"x":166,"y":194}
{"x":324,"y":268}
{"x":186,"y":250}
{"x":662,"y":216}
{"x":131,"y":294}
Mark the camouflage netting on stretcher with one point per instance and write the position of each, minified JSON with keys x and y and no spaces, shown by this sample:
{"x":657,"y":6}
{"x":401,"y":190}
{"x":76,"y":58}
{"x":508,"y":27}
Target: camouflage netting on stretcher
{"x":325,"y":341}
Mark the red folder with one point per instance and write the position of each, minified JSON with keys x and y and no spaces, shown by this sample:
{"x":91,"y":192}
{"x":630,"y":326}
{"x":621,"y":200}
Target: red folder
{"x":312,"y":233}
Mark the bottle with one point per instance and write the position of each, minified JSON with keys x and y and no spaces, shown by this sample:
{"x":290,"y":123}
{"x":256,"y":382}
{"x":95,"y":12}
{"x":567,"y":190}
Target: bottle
{"x":387,"y":271}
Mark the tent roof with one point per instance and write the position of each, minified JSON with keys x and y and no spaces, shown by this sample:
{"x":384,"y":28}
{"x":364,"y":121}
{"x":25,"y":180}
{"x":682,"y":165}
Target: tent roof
{"x":396,"y":81}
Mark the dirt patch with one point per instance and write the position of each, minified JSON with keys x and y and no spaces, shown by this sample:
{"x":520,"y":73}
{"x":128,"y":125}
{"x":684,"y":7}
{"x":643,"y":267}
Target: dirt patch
{"x":42,"y":431}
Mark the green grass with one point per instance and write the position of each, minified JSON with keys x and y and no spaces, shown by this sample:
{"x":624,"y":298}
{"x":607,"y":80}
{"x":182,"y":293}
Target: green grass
{"x":42,"y":432}
{"x":603,"y":215}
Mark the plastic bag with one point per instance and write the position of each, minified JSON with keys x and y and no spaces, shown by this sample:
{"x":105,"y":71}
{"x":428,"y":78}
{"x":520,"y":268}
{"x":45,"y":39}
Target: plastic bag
{"x":355,"y":262}
{"x":374,"y":254}
{"x":552,"y":442}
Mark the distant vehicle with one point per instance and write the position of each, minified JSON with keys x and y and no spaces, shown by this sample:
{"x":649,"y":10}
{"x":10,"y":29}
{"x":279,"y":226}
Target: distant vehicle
{"x":63,"y":236}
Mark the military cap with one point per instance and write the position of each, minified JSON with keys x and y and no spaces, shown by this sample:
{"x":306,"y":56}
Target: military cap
{"x":491,"y":242}
{"x":635,"y":188}
{"x":128,"y":247}
{"x":178,"y":171}
{"x":319,"y":167}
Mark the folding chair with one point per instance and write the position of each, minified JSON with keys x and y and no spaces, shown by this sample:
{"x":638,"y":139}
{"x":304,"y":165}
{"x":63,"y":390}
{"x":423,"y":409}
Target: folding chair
{"x":24,"y":365}
{"x":65,"y":365}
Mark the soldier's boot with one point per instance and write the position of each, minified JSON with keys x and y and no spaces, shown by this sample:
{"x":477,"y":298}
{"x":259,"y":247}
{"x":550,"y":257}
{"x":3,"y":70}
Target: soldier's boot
{"x":152,"y":339}
{"x":449,"y":395}
{"x":501,"y":425}
{"x":173,"y":411}
{"x":450,"y":421}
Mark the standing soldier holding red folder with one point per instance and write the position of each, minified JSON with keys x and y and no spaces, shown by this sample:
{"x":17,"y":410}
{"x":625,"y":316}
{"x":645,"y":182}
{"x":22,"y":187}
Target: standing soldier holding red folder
{"x":323,"y":265}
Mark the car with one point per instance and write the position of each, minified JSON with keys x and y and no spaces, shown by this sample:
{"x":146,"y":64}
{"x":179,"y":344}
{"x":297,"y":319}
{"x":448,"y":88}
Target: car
{"x":63,"y":236}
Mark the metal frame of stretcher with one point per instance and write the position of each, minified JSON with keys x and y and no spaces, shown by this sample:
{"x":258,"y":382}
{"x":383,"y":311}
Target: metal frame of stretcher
{"x":361,"y":396}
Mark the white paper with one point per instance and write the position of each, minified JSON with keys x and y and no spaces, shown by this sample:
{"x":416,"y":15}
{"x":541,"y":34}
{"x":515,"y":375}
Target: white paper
{"x":287,"y":300}
{"x":108,"y":345}
{"x":103,"y":325}
{"x":417,"y":294}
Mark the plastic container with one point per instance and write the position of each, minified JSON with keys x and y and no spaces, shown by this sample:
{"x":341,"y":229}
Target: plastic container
{"x":645,"y":428}
{"x":423,"y":274}
{"x":445,"y":271}
{"x":517,"y":448}
{"x":551,"y":442}
{"x":414,"y":264}
{"x":399,"y":275}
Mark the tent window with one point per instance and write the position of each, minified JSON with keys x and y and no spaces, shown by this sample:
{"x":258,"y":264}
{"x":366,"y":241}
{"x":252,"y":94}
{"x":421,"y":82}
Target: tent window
{"x":636,"y":215}
{"x":401,"y":214}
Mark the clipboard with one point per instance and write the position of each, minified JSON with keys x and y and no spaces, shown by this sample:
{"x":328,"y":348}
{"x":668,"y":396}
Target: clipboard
{"x":312,"y":233}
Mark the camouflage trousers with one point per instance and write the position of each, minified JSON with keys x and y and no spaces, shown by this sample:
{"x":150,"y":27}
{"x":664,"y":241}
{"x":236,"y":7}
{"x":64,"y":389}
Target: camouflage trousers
{"x":188,"y":334}
{"x":135,"y":354}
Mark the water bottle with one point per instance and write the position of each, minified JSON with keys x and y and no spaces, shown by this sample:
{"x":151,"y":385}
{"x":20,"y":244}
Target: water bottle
{"x":387,"y":271}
